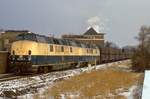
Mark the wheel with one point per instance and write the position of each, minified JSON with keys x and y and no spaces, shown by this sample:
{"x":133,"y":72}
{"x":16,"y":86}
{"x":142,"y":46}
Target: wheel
{"x":46,"y":70}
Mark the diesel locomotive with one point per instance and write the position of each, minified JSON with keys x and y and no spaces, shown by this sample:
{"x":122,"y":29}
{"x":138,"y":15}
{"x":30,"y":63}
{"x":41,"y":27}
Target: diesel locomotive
{"x":33,"y":52}
{"x":37,"y":53}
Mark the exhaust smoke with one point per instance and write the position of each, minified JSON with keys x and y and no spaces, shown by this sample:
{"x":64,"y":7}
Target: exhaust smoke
{"x":96,"y":23}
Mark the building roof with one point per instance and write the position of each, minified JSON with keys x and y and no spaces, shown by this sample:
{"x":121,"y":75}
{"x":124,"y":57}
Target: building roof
{"x":91,"y":31}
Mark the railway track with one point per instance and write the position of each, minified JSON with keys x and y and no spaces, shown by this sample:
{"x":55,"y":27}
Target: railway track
{"x":7,"y":77}
{"x":19,"y":85}
{"x":11,"y":76}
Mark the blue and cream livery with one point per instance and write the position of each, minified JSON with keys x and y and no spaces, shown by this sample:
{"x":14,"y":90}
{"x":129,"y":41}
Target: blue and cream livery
{"x":47,"y":53}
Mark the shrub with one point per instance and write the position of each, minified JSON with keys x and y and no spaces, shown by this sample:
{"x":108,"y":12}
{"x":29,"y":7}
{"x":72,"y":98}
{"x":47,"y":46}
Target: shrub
{"x":141,"y":61}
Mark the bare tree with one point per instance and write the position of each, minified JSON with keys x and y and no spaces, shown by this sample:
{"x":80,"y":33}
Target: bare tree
{"x":141,"y":58}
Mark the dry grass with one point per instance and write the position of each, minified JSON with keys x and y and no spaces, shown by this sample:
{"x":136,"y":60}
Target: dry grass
{"x":100,"y":84}
{"x":96,"y":84}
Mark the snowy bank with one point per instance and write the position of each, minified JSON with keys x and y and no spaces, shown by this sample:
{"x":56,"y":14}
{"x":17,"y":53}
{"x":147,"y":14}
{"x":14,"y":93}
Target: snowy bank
{"x":146,"y":86}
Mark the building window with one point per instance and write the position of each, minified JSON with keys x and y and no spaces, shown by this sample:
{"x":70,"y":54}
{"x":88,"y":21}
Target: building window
{"x":6,"y":41}
{"x":51,"y":48}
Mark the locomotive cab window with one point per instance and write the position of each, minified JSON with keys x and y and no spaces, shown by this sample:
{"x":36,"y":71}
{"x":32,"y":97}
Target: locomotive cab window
{"x":20,"y":37}
{"x":51,"y":48}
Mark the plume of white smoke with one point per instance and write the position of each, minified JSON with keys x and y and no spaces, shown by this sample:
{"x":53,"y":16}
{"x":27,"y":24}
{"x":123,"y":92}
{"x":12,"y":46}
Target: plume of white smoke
{"x":96,"y":23}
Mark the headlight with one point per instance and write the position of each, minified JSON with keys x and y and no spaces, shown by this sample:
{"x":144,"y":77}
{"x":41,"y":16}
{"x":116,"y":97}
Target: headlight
{"x":20,"y":57}
{"x":13,"y":57}
{"x":29,"y":58}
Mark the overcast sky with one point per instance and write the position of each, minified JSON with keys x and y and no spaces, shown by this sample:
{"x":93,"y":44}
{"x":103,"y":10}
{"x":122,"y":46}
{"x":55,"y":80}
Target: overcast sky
{"x":119,"y":19}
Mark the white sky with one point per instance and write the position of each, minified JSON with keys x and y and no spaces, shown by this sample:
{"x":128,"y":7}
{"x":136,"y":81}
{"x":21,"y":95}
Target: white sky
{"x":121,"y":19}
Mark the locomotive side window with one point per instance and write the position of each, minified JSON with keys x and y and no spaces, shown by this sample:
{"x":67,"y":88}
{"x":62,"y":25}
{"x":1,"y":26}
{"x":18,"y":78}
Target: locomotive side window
{"x":87,"y":51}
{"x":71,"y":49}
{"x":95,"y":51}
{"x":91,"y":51}
{"x":62,"y":49}
{"x":51,"y":48}
{"x":66,"y":49}
{"x":57,"y":48}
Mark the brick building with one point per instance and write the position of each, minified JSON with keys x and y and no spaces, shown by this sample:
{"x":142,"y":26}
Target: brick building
{"x":90,"y":36}
{"x":9,"y":36}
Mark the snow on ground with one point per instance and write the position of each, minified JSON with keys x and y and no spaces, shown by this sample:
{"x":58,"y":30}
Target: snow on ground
{"x":146,"y":86}
{"x":37,"y":84}
{"x":131,"y":92}
{"x":128,"y":94}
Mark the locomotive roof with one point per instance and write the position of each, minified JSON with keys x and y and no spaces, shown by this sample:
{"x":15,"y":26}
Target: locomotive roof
{"x":51,"y":40}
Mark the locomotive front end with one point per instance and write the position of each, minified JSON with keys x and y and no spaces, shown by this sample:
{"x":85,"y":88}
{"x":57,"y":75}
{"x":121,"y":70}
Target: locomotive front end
{"x":21,"y":55}
{"x":21,"y":51}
